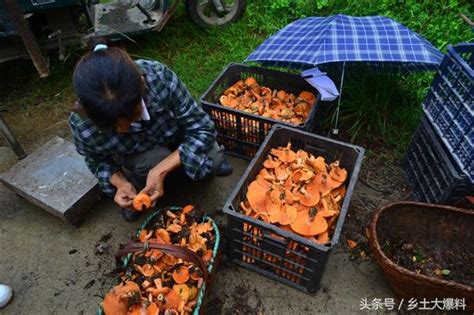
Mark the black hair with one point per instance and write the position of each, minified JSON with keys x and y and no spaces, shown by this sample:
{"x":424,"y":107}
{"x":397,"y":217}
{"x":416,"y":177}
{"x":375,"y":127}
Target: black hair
{"x":108,"y":84}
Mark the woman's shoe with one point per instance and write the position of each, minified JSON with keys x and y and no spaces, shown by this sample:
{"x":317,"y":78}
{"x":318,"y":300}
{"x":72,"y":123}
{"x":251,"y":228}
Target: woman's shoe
{"x":224,"y":169}
{"x":6,"y":294}
{"x":130,"y":215}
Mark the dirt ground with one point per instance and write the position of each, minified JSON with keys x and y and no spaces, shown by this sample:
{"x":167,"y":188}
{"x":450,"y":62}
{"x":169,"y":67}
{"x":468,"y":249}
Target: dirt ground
{"x":55,"y":268}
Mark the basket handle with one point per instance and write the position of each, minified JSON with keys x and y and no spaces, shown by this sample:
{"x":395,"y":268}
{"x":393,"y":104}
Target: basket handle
{"x":173,"y":250}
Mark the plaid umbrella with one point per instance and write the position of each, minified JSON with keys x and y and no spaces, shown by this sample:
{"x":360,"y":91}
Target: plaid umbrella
{"x":375,"y":40}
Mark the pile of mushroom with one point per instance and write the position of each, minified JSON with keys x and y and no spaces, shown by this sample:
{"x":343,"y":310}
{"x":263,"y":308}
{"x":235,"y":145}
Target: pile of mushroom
{"x":298,"y":192}
{"x":156,"y":283}
{"x":248,"y":96}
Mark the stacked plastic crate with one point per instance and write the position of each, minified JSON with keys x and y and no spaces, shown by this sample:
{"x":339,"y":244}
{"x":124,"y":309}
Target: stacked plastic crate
{"x":439,"y":163}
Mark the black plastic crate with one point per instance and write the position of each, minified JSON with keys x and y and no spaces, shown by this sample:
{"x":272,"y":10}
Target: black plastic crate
{"x":269,"y":250}
{"x":449,"y":105}
{"x":240,"y":132}
{"x":430,"y":172}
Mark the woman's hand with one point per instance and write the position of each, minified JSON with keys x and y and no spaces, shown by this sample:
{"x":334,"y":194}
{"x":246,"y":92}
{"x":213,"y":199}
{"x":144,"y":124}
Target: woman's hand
{"x":125,"y":190}
{"x":124,"y":195}
{"x":154,"y":184}
{"x":156,"y":176}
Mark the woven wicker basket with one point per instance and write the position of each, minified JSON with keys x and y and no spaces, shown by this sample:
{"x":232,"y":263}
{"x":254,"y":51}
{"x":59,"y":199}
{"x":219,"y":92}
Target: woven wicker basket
{"x":441,"y":227}
{"x":200,"y":308}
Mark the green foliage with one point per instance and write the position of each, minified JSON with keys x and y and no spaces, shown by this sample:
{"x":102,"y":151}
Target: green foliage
{"x":376,"y":109}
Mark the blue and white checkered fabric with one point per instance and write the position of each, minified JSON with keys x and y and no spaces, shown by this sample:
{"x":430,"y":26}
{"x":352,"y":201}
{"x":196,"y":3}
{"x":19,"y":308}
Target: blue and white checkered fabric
{"x":376,"y":40}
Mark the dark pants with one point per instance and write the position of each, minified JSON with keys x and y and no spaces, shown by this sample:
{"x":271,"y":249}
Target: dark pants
{"x":136,"y":166}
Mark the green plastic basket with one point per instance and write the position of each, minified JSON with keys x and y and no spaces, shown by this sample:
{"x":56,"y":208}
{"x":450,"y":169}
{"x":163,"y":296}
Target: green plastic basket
{"x":210,"y":267}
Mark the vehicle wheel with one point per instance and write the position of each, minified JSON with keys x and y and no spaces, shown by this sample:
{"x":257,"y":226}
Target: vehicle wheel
{"x":203,"y":13}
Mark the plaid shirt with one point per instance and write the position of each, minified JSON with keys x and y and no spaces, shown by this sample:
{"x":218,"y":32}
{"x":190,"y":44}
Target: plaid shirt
{"x":175,"y":121}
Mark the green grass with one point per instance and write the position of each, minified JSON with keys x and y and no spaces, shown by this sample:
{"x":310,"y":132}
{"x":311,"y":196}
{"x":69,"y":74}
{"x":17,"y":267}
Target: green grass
{"x":383,"y":110}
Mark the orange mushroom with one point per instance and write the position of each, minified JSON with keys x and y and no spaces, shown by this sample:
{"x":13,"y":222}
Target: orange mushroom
{"x":309,"y":223}
{"x":281,"y":173}
{"x":174,"y":228}
{"x":118,"y":299}
{"x":323,"y":238}
{"x":302,"y":154}
{"x":256,"y":196}
{"x":327,"y":213}
{"x":247,"y":210}
{"x":157,"y":291}
{"x":183,"y":291}
{"x":289,"y":197}
{"x":288,"y":215}
{"x":337,"y":173}
{"x":262,"y":216}
{"x":276,"y":195}
{"x":323,"y":183}
{"x":152,"y":309}
{"x":136,"y":309}
{"x":271,"y":163}
{"x":207,"y":256}
{"x":302,"y":108}
{"x":281,"y":95}
{"x":154,"y":254}
{"x":141,"y":202}
{"x":329,"y":204}
{"x":193,"y":292}
{"x":145,"y":235}
{"x":250,"y":81}
{"x":274,"y":213}
{"x":236,"y":88}
{"x":195,"y":273}
{"x":181,"y":274}
{"x":164,"y":235}
{"x":339,"y":192}
{"x":352,"y":244}
{"x":306,"y":175}
{"x":187,"y":209}
{"x":307,"y":97}
{"x":309,"y":196}
{"x":319,"y":164}
{"x":147,"y":270}
{"x":284,"y":154}
{"x":169,"y":260}
{"x":228,"y":100}
{"x":172,"y":300}
{"x":263,"y":182}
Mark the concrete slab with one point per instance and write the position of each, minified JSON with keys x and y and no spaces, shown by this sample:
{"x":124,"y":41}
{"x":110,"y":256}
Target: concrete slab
{"x":56,"y":179}
{"x":55,"y":269}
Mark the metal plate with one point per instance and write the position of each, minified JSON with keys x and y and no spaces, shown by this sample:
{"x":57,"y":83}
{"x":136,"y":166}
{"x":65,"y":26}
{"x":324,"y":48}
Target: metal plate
{"x":122,"y":19}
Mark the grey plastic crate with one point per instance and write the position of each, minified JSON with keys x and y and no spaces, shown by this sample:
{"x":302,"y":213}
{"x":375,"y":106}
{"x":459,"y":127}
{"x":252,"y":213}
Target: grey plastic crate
{"x":449,"y":105}
{"x":269,"y":250}
{"x":430,"y":172}
{"x":240,"y":132}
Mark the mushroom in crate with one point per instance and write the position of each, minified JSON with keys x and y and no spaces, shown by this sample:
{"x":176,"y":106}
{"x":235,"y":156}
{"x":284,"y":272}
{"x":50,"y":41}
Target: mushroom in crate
{"x":248,"y":96}
{"x":299,"y":191}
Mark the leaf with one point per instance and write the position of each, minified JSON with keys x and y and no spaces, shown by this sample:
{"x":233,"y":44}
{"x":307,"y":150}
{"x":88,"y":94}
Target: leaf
{"x":446,"y":272}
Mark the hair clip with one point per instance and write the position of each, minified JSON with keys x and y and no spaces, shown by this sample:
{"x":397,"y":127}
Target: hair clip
{"x":100,"y":47}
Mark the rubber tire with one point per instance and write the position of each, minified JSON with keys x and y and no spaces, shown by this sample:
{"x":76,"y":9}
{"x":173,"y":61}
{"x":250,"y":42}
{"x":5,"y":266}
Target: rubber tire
{"x":193,"y":14}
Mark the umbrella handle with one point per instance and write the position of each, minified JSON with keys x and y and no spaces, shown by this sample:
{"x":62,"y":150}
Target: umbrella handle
{"x":335,"y":130}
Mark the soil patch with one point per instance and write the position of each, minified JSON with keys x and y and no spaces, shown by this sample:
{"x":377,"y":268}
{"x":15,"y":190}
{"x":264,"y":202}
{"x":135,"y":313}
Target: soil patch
{"x":446,"y":265}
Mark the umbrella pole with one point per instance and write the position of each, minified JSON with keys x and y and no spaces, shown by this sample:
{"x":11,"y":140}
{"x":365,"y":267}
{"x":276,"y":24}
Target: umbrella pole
{"x":335,"y":130}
